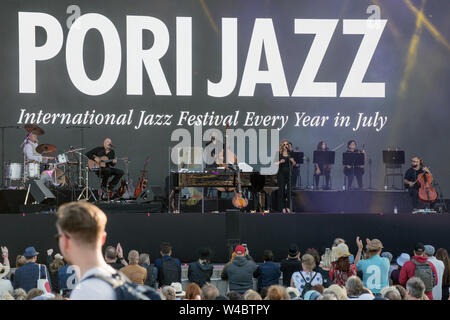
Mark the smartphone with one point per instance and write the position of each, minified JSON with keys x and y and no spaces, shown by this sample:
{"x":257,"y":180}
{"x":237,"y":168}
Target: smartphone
{"x":244,"y":245}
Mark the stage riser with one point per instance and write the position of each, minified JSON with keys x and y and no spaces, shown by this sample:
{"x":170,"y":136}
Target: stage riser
{"x":189,"y":231}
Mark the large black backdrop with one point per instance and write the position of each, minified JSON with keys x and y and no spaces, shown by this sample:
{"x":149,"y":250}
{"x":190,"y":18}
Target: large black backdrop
{"x":189,"y":231}
{"x":417,"y":116}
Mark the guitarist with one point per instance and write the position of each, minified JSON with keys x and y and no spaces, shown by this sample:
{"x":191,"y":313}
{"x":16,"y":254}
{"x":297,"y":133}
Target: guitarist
{"x":107,"y":171}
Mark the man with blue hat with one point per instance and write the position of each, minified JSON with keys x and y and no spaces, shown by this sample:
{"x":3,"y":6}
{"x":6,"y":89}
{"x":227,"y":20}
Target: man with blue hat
{"x":27,"y":276}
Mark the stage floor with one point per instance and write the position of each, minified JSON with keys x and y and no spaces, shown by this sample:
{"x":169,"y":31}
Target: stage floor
{"x":187,"y":232}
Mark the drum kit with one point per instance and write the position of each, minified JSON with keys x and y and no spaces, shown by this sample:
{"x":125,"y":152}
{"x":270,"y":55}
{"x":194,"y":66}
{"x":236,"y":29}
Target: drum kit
{"x":59,"y":173}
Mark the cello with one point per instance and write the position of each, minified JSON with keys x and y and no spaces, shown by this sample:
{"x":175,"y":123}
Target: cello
{"x":426,"y":191}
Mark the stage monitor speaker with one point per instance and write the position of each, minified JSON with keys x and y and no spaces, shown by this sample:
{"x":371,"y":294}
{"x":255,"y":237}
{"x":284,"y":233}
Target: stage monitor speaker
{"x":152,"y":193}
{"x":40,"y":192}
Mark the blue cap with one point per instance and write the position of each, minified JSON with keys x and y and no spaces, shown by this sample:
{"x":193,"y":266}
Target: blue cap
{"x":30,"y":252}
{"x":311,"y":295}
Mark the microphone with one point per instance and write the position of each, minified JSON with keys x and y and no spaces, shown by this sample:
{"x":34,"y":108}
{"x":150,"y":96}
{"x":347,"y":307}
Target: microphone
{"x":111,"y":145}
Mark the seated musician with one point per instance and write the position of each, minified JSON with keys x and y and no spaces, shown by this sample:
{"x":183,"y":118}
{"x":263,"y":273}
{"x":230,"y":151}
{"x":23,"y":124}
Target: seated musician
{"x":354,"y":171}
{"x":31,"y":155}
{"x":322,"y":169}
{"x":410,"y":180}
{"x":105,"y":172}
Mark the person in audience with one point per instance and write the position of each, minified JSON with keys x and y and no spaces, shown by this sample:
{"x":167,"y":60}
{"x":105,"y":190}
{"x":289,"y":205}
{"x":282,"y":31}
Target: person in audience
{"x":200,"y":271}
{"x":341,"y":269}
{"x":355,"y":289}
{"x":252,"y":295}
{"x":81,"y":235}
{"x":401,"y":290}
{"x":401,"y":260}
{"x":193,"y":292}
{"x":152,"y":271}
{"x":20,"y":261}
{"x":19,"y":294}
{"x":179,"y":293}
{"x":307,"y":278}
{"x":319,"y":288}
{"x":113,"y":254}
{"x":415,"y":289}
{"x":263,"y":292}
{"x":239,"y":273}
{"x":439,"y":266}
{"x":312,"y":295}
{"x":233,"y":295}
{"x":5,"y":284}
{"x":442,"y":255}
{"x":375,"y":269}
{"x":329,"y":295}
{"x":293,"y":293}
{"x":325,"y":273}
{"x":339,"y":291}
{"x":33,"y":293}
{"x":209,"y":292}
{"x":168,"y":293}
{"x":392,"y":266}
{"x":409,"y":270}
{"x":68,"y":279}
{"x":54,"y":267}
{"x":391,"y":293}
{"x":169,"y":268}
{"x":267,"y":273}
{"x":133,"y":270}
{"x":26,"y":277}
{"x":6,"y":296}
{"x":291,"y":264}
{"x":277,"y":292}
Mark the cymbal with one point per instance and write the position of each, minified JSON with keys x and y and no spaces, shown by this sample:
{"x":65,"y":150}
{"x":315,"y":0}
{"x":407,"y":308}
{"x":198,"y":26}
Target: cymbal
{"x":45,"y":148}
{"x":34,"y":129}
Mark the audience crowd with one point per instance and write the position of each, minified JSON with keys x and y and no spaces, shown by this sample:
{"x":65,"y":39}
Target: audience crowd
{"x":82,"y":271}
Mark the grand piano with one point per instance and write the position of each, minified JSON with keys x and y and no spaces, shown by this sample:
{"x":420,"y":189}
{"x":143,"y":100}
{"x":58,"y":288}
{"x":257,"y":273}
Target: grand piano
{"x":252,"y":181}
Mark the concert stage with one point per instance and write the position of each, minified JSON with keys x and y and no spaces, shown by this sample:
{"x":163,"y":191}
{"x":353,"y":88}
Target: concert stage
{"x":189,"y":231}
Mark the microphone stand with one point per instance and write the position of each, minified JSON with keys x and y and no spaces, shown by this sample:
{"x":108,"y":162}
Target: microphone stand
{"x":290,"y":180}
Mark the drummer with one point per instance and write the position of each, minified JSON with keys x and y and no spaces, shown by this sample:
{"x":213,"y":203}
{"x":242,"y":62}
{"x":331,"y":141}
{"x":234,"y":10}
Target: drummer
{"x":29,"y":150}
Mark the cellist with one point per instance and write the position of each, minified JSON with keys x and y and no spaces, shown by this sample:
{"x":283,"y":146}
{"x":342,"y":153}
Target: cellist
{"x":410,"y":180}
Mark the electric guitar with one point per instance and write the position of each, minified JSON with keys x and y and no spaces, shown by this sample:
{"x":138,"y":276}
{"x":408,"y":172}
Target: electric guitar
{"x":142,"y":184}
{"x":239,"y":200}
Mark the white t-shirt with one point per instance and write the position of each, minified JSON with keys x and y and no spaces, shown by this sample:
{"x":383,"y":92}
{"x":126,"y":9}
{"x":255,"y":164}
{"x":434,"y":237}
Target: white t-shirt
{"x":94,"y":289}
{"x":440,"y":268}
{"x":299,"y":283}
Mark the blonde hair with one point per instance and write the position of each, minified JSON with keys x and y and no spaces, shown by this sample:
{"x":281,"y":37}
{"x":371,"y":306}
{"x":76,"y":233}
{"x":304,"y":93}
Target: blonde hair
{"x":56,"y":265}
{"x":7,"y":296}
{"x":309,"y":261}
{"x":252,"y":295}
{"x":338,"y":290}
{"x":169,"y":293}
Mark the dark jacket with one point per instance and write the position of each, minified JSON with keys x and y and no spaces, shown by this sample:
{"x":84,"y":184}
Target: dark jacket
{"x":26,"y":276}
{"x":288,"y":266}
{"x":267,"y":273}
{"x":152,"y":275}
{"x":239,"y":274}
{"x":159,"y":266}
{"x":67,"y":278}
{"x":200,"y":273}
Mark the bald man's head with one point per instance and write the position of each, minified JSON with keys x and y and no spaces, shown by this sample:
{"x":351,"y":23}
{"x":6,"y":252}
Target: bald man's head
{"x":107,"y":143}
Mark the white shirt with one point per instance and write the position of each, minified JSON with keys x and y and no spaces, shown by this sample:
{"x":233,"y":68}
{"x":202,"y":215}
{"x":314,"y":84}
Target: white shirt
{"x":437,"y":289}
{"x":299,"y":283}
{"x":30,"y":152}
{"x":94,"y":289}
{"x":5,"y":284}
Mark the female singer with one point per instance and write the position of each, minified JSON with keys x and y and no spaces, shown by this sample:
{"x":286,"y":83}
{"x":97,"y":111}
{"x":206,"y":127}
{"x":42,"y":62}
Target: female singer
{"x":354,"y":171}
{"x":284,"y":176}
{"x":320,"y":168}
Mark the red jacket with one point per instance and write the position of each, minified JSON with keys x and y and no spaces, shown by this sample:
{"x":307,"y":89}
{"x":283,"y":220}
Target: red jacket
{"x":409,"y":268}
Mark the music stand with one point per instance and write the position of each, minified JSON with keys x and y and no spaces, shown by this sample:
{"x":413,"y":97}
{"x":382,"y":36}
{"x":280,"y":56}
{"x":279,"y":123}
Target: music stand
{"x":353,"y":159}
{"x":393,"y":160}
